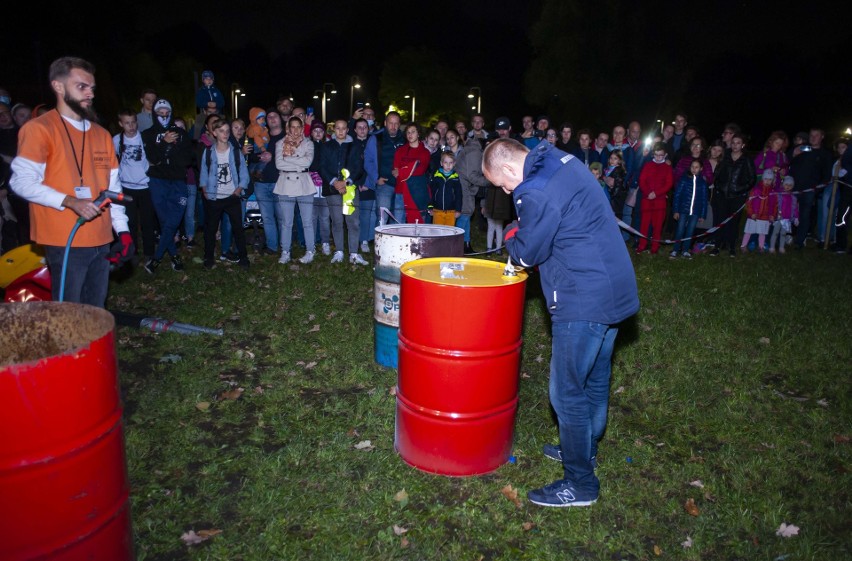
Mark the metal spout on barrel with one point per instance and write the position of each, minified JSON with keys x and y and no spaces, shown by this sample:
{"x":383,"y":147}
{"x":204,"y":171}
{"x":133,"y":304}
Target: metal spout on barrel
{"x":509,"y":269}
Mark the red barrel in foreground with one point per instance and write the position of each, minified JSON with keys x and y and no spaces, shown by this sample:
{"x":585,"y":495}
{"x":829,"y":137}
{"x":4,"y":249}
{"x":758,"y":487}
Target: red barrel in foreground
{"x":63,"y":473}
{"x":459,"y":356}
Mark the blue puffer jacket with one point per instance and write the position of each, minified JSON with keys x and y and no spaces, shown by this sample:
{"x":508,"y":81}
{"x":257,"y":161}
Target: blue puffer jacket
{"x":567,"y":229}
{"x":690,"y":196}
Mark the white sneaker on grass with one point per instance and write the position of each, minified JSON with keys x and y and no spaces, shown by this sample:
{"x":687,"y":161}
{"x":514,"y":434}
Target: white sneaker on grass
{"x":326,"y":249}
{"x":356,"y":259}
{"x":285,"y":257}
{"x":307,"y":258}
{"x":365,"y":247}
{"x":338,"y":257}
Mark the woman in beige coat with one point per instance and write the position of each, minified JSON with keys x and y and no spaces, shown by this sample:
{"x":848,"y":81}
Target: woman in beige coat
{"x":293,"y":156}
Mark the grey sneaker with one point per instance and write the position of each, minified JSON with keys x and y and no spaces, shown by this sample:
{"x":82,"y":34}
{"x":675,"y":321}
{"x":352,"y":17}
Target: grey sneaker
{"x":326,"y":249}
{"x":307,"y":258}
{"x":285,"y":257}
{"x":673,"y":255}
{"x":151,"y":265}
{"x":365,"y":247}
{"x":686,"y":255}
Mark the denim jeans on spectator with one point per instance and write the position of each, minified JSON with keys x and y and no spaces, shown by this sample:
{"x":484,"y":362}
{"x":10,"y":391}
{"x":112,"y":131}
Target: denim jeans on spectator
{"x":367,"y":220}
{"x":86,"y":275}
{"x":685,"y":228}
{"x":322,"y":219}
{"x":286,"y":210}
{"x":463,"y":222}
{"x":169,"y":198}
{"x":386,"y":198}
{"x":266,"y":202}
{"x":580,"y":370}
{"x":189,"y":215}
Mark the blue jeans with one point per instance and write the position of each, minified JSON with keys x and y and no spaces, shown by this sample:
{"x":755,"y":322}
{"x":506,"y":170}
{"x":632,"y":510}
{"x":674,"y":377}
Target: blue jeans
{"x":286,"y":210}
{"x":386,"y":198}
{"x":580,"y":370}
{"x":266,"y":202}
{"x":189,"y":216}
{"x":685,"y":229}
{"x":627,"y":218}
{"x":322,"y":220}
{"x":86,"y":277}
{"x":463,"y":221}
{"x":169,"y":198}
{"x":368,"y":220}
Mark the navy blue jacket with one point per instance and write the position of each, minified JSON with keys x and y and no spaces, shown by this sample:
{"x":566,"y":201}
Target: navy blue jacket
{"x":446,"y":191}
{"x":567,"y":229}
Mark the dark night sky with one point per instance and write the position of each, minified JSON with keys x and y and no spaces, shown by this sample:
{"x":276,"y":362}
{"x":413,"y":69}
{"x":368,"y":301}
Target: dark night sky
{"x":765,"y":67}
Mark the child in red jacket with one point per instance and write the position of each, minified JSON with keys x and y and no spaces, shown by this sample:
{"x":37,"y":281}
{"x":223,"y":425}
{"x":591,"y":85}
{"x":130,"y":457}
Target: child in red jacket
{"x":655,"y":182}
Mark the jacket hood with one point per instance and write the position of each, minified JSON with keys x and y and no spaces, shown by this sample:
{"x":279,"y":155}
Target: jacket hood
{"x":254,"y":112}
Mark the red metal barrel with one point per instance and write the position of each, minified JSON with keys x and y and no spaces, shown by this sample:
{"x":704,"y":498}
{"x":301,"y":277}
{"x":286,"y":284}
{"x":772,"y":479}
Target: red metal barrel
{"x":63,"y":473}
{"x":459,"y":357}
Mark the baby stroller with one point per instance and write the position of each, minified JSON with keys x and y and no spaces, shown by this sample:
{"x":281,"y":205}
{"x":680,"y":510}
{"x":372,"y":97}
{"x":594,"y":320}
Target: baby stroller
{"x":253,"y":219}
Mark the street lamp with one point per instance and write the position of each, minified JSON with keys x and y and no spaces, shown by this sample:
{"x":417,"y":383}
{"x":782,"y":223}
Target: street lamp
{"x":236,"y":94}
{"x":478,"y":96}
{"x":661,"y":125}
{"x":410,"y":94}
{"x":354,"y":84}
{"x":326,"y":97}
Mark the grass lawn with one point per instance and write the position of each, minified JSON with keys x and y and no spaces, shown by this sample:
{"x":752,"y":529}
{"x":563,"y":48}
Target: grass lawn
{"x":730,"y":389}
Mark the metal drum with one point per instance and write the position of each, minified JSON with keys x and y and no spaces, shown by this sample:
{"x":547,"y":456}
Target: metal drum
{"x":396,"y":244}
{"x":63,"y":473}
{"x":459,"y":359}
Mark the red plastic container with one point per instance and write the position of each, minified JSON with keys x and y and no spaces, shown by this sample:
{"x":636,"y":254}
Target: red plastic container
{"x":459,"y":356}
{"x":63,"y":473}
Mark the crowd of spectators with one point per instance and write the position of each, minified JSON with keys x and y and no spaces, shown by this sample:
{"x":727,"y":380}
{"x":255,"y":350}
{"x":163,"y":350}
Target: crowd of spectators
{"x":324,"y":187}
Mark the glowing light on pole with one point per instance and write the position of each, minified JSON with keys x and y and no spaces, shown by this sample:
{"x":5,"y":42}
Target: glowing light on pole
{"x":478,"y":96}
{"x":410,"y":94}
{"x":354,"y":84}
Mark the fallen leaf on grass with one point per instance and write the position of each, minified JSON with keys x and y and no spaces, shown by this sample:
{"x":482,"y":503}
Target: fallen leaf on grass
{"x":539,"y":358}
{"x":258,"y":390}
{"x":247,"y":354}
{"x":202,"y":405}
{"x":657,"y":550}
{"x":312,"y":317}
{"x":527,"y":526}
{"x":365,"y":445}
{"x":822,"y":402}
{"x":310,"y":365}
{"x":841,"y":439}
{"x":392,"y":390}
{"x":697,"y":483}
{"x":399,"y":530}
{"x":170,"y":358}
{"x":512,"y":494}
{"x":687,"y":543}
{"x":764,"y":340}
{"x":232,"y":395}
{"x":352,"y":432}
{"x":314,"y":329}
{"x":709,"y":497}
{"x":404,"y":543}
{"x":787,"y":530}
{"x":645,"y":327}
{"x":690,"y":507}
{"x":619,"y":389}
{"x":401,"y":497}
{"x":192,"y":538}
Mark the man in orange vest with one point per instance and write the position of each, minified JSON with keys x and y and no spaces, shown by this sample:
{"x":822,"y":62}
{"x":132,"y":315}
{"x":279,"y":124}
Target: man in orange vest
{"x":64,"y":161}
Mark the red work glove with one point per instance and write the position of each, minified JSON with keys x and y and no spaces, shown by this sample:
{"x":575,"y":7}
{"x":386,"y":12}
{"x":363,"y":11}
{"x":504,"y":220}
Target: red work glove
{"x":122,"y":250}
{"x":510,"y":230}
